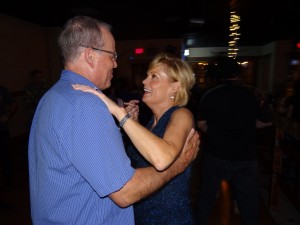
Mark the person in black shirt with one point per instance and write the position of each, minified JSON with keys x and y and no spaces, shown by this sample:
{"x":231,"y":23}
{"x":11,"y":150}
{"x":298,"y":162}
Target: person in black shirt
{"x":293,"y":103}
{"x":228,"y":114}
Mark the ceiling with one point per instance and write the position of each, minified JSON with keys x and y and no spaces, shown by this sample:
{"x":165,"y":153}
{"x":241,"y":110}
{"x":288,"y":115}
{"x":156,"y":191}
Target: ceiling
{"x":207,"y":21}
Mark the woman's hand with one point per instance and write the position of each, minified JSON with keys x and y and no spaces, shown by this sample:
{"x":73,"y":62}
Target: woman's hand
{"x":118,"y":111}
{"x":132,"y":108}
{"x":112,"y":106}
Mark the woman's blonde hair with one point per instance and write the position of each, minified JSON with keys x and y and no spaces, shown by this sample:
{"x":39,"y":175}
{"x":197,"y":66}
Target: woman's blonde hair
{"x":179,"y":71}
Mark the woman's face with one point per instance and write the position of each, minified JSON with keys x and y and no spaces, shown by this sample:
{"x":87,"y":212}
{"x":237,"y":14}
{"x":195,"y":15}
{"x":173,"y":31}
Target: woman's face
{"x":158,"y":88}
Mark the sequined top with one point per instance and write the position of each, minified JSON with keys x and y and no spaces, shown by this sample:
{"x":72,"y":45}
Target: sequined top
{"x":170,"y":205}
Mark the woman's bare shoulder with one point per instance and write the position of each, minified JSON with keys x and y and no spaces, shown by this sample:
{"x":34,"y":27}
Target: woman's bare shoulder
{"x":183,"y":114}
{"x":183,"y":111}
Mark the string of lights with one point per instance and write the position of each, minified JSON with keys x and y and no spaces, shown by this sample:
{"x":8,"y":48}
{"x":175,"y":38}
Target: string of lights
{"x":234,"y":34}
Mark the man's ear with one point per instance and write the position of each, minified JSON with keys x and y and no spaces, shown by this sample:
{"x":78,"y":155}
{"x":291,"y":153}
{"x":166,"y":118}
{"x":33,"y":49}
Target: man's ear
{"x":89,"y":56}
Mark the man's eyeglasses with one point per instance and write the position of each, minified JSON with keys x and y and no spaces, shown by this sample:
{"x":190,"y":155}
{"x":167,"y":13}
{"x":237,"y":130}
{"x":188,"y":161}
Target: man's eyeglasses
{"x":114,"y":54}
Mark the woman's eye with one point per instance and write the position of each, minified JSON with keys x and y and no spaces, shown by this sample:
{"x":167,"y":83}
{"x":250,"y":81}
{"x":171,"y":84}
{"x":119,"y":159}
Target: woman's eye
{"x":153,"y":76}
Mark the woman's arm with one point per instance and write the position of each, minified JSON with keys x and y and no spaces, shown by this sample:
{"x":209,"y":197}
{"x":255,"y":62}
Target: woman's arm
{"x":161,"y":153}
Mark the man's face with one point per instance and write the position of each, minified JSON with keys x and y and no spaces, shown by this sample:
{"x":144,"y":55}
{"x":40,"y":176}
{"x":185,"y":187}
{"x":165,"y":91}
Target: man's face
{"x":105,"y":61}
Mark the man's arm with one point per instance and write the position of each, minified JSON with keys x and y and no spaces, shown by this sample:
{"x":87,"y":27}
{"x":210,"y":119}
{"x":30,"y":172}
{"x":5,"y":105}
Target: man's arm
{"x":259,"y":124}
{"x":265,"y":117}
{"x":148,"y":180}
{"x":202,"y":125}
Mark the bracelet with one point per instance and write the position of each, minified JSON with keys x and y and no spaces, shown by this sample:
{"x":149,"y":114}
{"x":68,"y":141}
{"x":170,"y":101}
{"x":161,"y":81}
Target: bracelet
{"x":125,"y":118}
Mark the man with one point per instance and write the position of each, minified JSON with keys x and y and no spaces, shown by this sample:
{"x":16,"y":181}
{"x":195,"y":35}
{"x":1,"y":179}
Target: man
{"x":34,"y":91}
{"x":8,"y":107}
{"x":229,"y":114}
{"x":79,"y":171}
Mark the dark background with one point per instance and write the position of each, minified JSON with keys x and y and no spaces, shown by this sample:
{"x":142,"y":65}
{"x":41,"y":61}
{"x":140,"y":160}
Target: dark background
{"x":262,"y":21}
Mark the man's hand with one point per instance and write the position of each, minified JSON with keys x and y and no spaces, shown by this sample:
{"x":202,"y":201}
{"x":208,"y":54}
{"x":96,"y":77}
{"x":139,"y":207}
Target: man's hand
{"x":148,"y":180}
{"x":189,"y":152}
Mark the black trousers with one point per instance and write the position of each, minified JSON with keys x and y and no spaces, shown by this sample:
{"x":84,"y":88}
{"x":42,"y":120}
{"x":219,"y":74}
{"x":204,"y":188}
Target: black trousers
{"x":242,"y":176}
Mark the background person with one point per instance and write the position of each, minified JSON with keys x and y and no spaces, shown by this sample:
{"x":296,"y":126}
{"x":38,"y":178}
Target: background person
{"x":34,"y":91}
{"x":293,"y":103}
{"x":8,"y":107}
{"x":229,"y":114}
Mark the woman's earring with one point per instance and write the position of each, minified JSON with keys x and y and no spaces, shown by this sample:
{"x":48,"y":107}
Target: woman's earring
{"x":172,"y":97}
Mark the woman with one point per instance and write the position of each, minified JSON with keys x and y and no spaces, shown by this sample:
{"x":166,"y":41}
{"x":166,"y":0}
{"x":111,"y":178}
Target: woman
{"x":166,"y":92}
